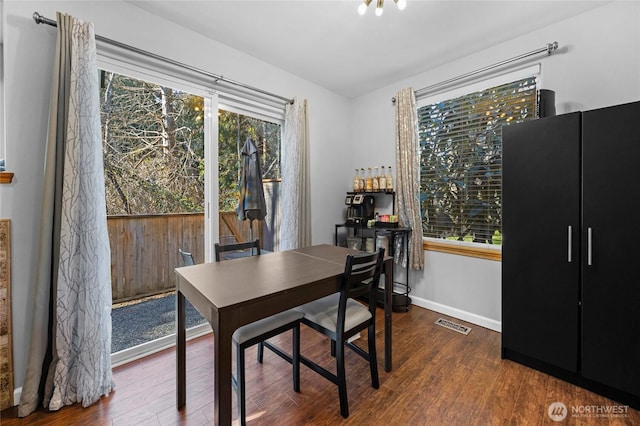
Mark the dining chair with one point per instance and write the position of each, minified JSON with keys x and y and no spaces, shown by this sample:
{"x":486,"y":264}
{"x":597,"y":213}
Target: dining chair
{"x":258,"y":332}
{"x":340,"y":317}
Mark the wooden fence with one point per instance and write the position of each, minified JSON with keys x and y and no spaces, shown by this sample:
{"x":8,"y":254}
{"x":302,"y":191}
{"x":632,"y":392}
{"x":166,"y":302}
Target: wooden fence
{"x":144,"y":249}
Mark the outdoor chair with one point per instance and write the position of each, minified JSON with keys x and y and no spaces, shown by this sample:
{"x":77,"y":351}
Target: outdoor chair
{"x":257,"y":332}
{"x":340,"y":317}
{"x":187,"y":258}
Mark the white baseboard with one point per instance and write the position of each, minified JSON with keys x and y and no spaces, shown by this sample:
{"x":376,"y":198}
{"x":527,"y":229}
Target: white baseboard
{"x":485,"y":322}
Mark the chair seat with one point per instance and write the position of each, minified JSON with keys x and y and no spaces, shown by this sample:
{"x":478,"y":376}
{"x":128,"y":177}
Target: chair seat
{"x":324,"y":312}
{"x":265,"y":325}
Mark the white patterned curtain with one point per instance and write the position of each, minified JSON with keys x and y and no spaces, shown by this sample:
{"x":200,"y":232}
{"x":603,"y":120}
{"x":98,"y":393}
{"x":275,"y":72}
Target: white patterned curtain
{"x":73,"y":291}
{"x":295,"y":202}
{"x":408,"y":170}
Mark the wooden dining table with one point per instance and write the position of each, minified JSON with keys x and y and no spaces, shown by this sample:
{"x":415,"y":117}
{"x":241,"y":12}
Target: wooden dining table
{"x":234,"y":293}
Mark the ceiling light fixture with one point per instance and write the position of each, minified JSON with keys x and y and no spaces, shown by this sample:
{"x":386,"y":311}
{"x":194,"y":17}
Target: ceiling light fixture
{"x":362,"y":9}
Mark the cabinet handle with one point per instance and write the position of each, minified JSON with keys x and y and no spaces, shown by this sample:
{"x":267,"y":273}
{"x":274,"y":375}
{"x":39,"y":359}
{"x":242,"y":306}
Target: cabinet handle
{"x":569,"y":243}
{"x":589,"y":243}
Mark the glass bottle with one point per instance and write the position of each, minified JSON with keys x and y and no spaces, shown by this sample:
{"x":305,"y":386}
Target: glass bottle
{"x":389,"y":180}
{"x":376,"y":180}
{"x":383,"y":180}
{"x":361,"y":180}
{"x":369,"y":181}
{"x":356,"y":181}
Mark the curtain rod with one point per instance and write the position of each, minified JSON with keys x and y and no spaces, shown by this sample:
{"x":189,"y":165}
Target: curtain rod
{"x":39,"y":19}
{"x":549,"y":48}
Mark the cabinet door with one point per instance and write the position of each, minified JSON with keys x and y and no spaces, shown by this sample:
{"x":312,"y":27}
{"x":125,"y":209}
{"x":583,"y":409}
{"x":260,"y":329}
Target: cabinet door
{"x":610,"y":282}
{"x":540,"y":256}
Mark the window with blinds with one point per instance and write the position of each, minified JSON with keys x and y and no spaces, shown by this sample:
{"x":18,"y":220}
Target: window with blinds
{"x":461,"y":160}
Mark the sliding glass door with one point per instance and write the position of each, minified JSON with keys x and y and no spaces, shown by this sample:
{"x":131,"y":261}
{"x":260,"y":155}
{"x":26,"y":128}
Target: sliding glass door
{"x":157,"y":142}
{"x":172,"y":165}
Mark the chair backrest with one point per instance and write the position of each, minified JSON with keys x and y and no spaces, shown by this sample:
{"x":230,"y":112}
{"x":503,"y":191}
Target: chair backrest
{"x":361,"y":271}
{"x":361,"y":277}
{"x":253,"y":246}
{"x":187,"y":258}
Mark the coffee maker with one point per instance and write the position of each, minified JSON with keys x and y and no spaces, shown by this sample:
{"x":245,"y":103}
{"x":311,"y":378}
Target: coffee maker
{"x":360,"y":209}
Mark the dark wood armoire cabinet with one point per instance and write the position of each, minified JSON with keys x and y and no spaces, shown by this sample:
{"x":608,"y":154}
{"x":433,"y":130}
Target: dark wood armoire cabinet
{"x":571,"y":248}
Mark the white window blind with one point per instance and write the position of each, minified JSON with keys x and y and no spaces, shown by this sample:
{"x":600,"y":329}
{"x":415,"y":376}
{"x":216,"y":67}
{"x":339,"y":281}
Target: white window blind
{"x":461,"y":159}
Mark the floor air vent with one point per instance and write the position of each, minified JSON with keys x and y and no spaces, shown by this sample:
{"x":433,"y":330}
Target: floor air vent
{"x":453,"y":326}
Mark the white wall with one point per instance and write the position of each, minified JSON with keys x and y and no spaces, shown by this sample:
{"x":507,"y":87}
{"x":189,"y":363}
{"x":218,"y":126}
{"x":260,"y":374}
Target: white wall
{"x":28,"y":54}
{"x":597,"y":65}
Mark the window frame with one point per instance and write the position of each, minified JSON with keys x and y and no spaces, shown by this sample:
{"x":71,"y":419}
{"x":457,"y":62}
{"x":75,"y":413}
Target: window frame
{"x":462,"y":248}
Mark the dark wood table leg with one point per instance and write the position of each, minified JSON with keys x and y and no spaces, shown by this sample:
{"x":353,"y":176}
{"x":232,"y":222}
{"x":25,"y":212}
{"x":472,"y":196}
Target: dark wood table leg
{"x":222,"y":370}
{"x":181,"y":351}
{"x":388,"y":291}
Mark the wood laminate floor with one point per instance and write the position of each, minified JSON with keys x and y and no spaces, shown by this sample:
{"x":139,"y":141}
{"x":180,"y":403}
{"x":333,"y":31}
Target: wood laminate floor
{"x":439,"y":377}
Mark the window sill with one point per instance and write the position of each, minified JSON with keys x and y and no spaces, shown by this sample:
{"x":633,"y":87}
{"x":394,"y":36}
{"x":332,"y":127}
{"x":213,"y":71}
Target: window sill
{"x":6,"y":177}
{"x":480,"y":251}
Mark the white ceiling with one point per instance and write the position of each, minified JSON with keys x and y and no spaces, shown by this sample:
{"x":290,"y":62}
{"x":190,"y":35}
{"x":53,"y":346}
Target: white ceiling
{"x":328,"y":43}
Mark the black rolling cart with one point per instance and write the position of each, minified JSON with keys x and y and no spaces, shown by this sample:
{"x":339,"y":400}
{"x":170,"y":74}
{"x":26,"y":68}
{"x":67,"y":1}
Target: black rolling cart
{"x":401,"y":302}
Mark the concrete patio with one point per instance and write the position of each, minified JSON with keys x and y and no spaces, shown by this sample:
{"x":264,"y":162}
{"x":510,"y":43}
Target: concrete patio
{"x":150,"y":318}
